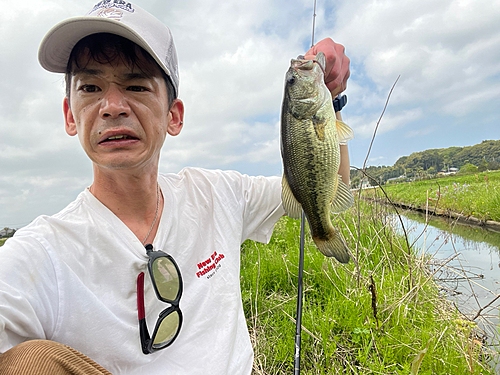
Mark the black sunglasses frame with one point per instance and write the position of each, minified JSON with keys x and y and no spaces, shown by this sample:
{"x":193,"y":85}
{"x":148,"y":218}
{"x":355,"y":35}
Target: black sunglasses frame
{"x":147,"y":341}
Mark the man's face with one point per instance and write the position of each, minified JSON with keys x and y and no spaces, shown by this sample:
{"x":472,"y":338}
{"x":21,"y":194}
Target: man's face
{"x":121,"y":114}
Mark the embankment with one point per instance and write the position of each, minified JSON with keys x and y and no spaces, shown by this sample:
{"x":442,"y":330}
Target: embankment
{"x":463,"y":219}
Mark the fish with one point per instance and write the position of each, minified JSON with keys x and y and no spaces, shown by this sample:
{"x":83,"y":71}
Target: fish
{"x":309,"y":136}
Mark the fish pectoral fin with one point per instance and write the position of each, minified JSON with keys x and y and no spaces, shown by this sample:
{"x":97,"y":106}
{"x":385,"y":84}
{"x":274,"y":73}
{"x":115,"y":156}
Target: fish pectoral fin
{"x":343,"y":198}
{"x":292,"y":207}
{"x":344,"y":132}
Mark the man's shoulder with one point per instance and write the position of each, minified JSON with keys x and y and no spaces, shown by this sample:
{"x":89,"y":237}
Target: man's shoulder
{"x":44,"y":224}
{"x":194,"y":176}
{"x":200,"y":172}
{"x":202,"y":176}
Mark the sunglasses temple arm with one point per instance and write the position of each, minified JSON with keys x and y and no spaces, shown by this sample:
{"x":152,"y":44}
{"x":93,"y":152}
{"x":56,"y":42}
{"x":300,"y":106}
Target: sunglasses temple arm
{"x":143,"y":329}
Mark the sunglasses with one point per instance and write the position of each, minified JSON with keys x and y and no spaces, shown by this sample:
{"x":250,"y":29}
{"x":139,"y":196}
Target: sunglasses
{"x":167,"y":283}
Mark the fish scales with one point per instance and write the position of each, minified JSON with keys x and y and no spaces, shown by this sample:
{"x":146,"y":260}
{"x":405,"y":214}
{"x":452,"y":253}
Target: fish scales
{"x":311,"y":160}
{"x":311,"y":155}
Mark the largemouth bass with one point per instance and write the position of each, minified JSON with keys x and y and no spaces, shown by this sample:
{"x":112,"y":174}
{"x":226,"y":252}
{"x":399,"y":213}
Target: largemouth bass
{"x":310,"y":136}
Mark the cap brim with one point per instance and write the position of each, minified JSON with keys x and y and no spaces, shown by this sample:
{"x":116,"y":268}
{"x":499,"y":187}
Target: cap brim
{"x":58,"y":43}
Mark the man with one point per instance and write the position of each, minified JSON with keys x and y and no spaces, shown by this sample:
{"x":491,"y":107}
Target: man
{"x":80,"y":277}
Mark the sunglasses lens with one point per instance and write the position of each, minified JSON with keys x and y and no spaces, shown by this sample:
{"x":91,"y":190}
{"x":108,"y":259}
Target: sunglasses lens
{"x":166,"y":278}
{"x":166,"y":331}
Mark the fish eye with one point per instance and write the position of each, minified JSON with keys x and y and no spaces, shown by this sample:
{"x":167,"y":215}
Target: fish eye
{"x":291,"y":80}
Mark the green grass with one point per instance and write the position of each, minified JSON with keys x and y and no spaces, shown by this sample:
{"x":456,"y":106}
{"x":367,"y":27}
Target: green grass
{"x":474,"y":194}
{"x":2,"y":241}
{"x":342,"y":334}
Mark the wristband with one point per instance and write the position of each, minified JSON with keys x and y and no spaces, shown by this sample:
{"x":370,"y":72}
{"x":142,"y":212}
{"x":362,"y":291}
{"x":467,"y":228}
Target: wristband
{"x":339,"y":102}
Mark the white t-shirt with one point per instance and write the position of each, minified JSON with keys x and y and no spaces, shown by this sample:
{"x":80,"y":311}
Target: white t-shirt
{"x":72,"y":277}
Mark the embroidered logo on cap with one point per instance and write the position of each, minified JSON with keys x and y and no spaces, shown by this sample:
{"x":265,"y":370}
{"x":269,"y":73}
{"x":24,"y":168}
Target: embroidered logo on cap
{"x":112,"y":13}
{"x":121,"y":4}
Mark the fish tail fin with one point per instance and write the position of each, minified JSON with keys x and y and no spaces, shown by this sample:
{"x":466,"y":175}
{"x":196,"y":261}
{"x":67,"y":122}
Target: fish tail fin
{"x":334,"y":246}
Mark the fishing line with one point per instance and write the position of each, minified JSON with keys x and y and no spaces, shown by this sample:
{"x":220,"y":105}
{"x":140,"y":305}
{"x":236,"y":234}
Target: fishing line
{"x":298,"y":321}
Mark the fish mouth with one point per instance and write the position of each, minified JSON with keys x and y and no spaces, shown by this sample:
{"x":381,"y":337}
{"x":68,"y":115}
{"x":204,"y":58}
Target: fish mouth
{"x":300,"y":63}
{"x":303,"y":64}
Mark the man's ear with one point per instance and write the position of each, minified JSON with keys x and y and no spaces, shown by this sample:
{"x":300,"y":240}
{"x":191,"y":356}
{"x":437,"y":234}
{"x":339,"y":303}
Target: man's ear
{"x":176,"y":117}
{"x":69,"y":121}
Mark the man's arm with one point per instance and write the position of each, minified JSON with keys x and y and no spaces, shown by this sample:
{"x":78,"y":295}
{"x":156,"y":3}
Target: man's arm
{"x":344,"y":168}
{"x":29,"y":298}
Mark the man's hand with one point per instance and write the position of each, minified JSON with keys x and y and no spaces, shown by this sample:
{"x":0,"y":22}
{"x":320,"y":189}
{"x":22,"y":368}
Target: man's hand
{"x":337,"y":64}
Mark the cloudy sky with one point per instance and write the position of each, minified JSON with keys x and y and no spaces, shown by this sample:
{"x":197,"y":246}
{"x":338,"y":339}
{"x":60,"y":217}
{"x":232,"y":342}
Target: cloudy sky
{"x":233,"y":55}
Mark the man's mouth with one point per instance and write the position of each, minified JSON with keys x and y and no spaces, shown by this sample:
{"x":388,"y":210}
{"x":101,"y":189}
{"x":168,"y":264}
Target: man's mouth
{"x":118,"y":138}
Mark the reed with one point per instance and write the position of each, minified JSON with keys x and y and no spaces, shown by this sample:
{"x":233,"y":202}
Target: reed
{"x":356,"y":320}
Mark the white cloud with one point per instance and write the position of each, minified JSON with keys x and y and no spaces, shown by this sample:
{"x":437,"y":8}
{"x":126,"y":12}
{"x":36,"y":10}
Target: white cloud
{"x":233,"y":56}
{"x":364,"y":126}
{"x":442,"y":50}
{"x":418,"y":132}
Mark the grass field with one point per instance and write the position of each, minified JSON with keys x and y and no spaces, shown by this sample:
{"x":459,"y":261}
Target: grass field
{"x":474,"y":194}
{"x":2,"y":241}
{"x":341,"y":334}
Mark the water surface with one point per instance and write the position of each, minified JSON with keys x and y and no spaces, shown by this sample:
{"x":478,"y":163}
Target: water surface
{"x":472,"y":278}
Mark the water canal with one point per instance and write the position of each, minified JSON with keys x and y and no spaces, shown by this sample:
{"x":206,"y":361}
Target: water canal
{"x":467,"y":260}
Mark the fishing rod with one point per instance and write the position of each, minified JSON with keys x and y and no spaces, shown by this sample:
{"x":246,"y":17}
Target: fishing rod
{"x":298,"y":320}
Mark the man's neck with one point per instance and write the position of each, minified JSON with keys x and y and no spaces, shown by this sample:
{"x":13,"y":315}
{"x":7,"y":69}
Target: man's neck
{"x":135,"y":199}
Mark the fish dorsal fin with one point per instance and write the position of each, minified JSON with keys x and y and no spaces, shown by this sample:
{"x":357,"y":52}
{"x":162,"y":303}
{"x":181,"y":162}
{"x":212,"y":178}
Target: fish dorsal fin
{"x":344,"y":132}
{"x":343,"y":198}
{"x":292,"y":207}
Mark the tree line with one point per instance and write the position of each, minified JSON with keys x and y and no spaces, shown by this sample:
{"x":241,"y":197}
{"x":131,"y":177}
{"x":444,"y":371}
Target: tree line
{"x":427,"y":164}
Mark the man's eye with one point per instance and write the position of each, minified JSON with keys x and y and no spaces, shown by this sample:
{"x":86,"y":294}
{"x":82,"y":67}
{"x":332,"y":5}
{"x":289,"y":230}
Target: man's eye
{"x":89,"y":88}
{"x":137,"y":88}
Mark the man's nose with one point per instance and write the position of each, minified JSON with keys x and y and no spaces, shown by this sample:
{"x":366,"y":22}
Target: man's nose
{"x":114,"y":104}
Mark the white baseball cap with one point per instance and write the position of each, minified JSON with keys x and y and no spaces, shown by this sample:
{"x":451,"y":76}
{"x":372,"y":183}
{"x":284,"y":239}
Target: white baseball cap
{"x":116,"y":17}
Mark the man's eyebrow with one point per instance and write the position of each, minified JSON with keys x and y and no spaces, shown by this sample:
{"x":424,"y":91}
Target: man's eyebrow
{"x":126,"y":76}
{"x":141,"y":75}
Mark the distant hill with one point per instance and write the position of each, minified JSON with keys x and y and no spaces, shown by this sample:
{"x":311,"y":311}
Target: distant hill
{"x":483,"y":156}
